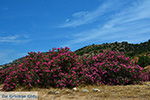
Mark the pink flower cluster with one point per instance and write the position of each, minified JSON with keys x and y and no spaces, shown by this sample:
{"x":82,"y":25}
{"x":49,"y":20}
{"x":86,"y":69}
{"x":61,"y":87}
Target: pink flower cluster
{"x":63,"y":68}
{"x":112,"y":68}
{"x":145,"y":76}
{"x":57,"y":68}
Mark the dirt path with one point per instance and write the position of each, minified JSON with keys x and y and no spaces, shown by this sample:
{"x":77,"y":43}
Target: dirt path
{"x":133,"y":92}
{"x":128,"y":92}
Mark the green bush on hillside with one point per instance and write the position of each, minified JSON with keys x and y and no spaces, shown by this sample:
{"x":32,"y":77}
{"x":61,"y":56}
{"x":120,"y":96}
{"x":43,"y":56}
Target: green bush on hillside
{"x":144,"y":61}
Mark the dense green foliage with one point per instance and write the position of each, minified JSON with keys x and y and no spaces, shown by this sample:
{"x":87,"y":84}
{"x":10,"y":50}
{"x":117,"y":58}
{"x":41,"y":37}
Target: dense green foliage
{"x":144,"y":61}
{"x":129,"y":49}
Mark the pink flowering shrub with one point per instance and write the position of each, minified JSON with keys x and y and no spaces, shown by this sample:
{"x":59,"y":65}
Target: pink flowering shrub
{"x":111,"y":68}
{"x":63,"y":68}
{"x":145,"y":76}
{"x":57,"y":68}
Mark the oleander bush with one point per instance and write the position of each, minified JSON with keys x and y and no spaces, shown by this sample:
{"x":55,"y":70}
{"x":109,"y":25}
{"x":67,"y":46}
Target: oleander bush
{"x":63,"y":68}
{"x":57,"y":68}
{"x":145,"y":76}
{"x":111,"y":68}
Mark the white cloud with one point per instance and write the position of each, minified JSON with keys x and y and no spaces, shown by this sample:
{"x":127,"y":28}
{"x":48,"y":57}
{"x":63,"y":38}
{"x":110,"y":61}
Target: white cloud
{"x":131,"y":24}
{"x":14,"y":39}
{"x":8,"y":56}
{"x":86,"y":17}
{"x":80,"y":14}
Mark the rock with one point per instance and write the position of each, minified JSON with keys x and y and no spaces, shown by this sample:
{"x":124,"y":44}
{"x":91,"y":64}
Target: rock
{"x":53,"y":92}
{"x":75,"y":89}
{"x":57,"y":92}
{"x":96,"y":90}
{"x":68,"y":91}
{"x":85,"y":90}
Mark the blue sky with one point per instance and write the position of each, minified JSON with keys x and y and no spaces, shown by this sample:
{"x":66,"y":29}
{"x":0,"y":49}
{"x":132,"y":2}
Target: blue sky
{"x":39,"y":25}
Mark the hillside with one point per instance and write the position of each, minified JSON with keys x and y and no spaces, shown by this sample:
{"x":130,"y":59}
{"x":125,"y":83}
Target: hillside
{"x":63,"y":68}
{"x":128,"y":48}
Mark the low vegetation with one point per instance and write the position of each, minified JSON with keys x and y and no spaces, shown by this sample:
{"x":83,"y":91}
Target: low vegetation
{"x":129,"y":49}
{"x":106,"y":64}
{"x":117,"y":92}
{"x":63,"y":68}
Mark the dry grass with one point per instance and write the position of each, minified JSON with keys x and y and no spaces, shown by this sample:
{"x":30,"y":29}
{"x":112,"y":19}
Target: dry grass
{"x":128,"y":92}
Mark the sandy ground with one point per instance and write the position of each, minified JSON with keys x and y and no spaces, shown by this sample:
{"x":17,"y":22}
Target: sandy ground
{"x":128,"y":92}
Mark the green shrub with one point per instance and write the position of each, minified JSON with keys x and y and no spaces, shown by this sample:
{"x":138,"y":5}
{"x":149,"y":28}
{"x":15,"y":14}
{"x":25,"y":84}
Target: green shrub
{"x":144,"y":61}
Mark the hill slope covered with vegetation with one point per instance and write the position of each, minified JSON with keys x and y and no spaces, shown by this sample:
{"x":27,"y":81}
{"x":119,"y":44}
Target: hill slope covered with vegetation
{"x":141,"y":50}
{"x":109,"y":64}
{"x":128,"y":48}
